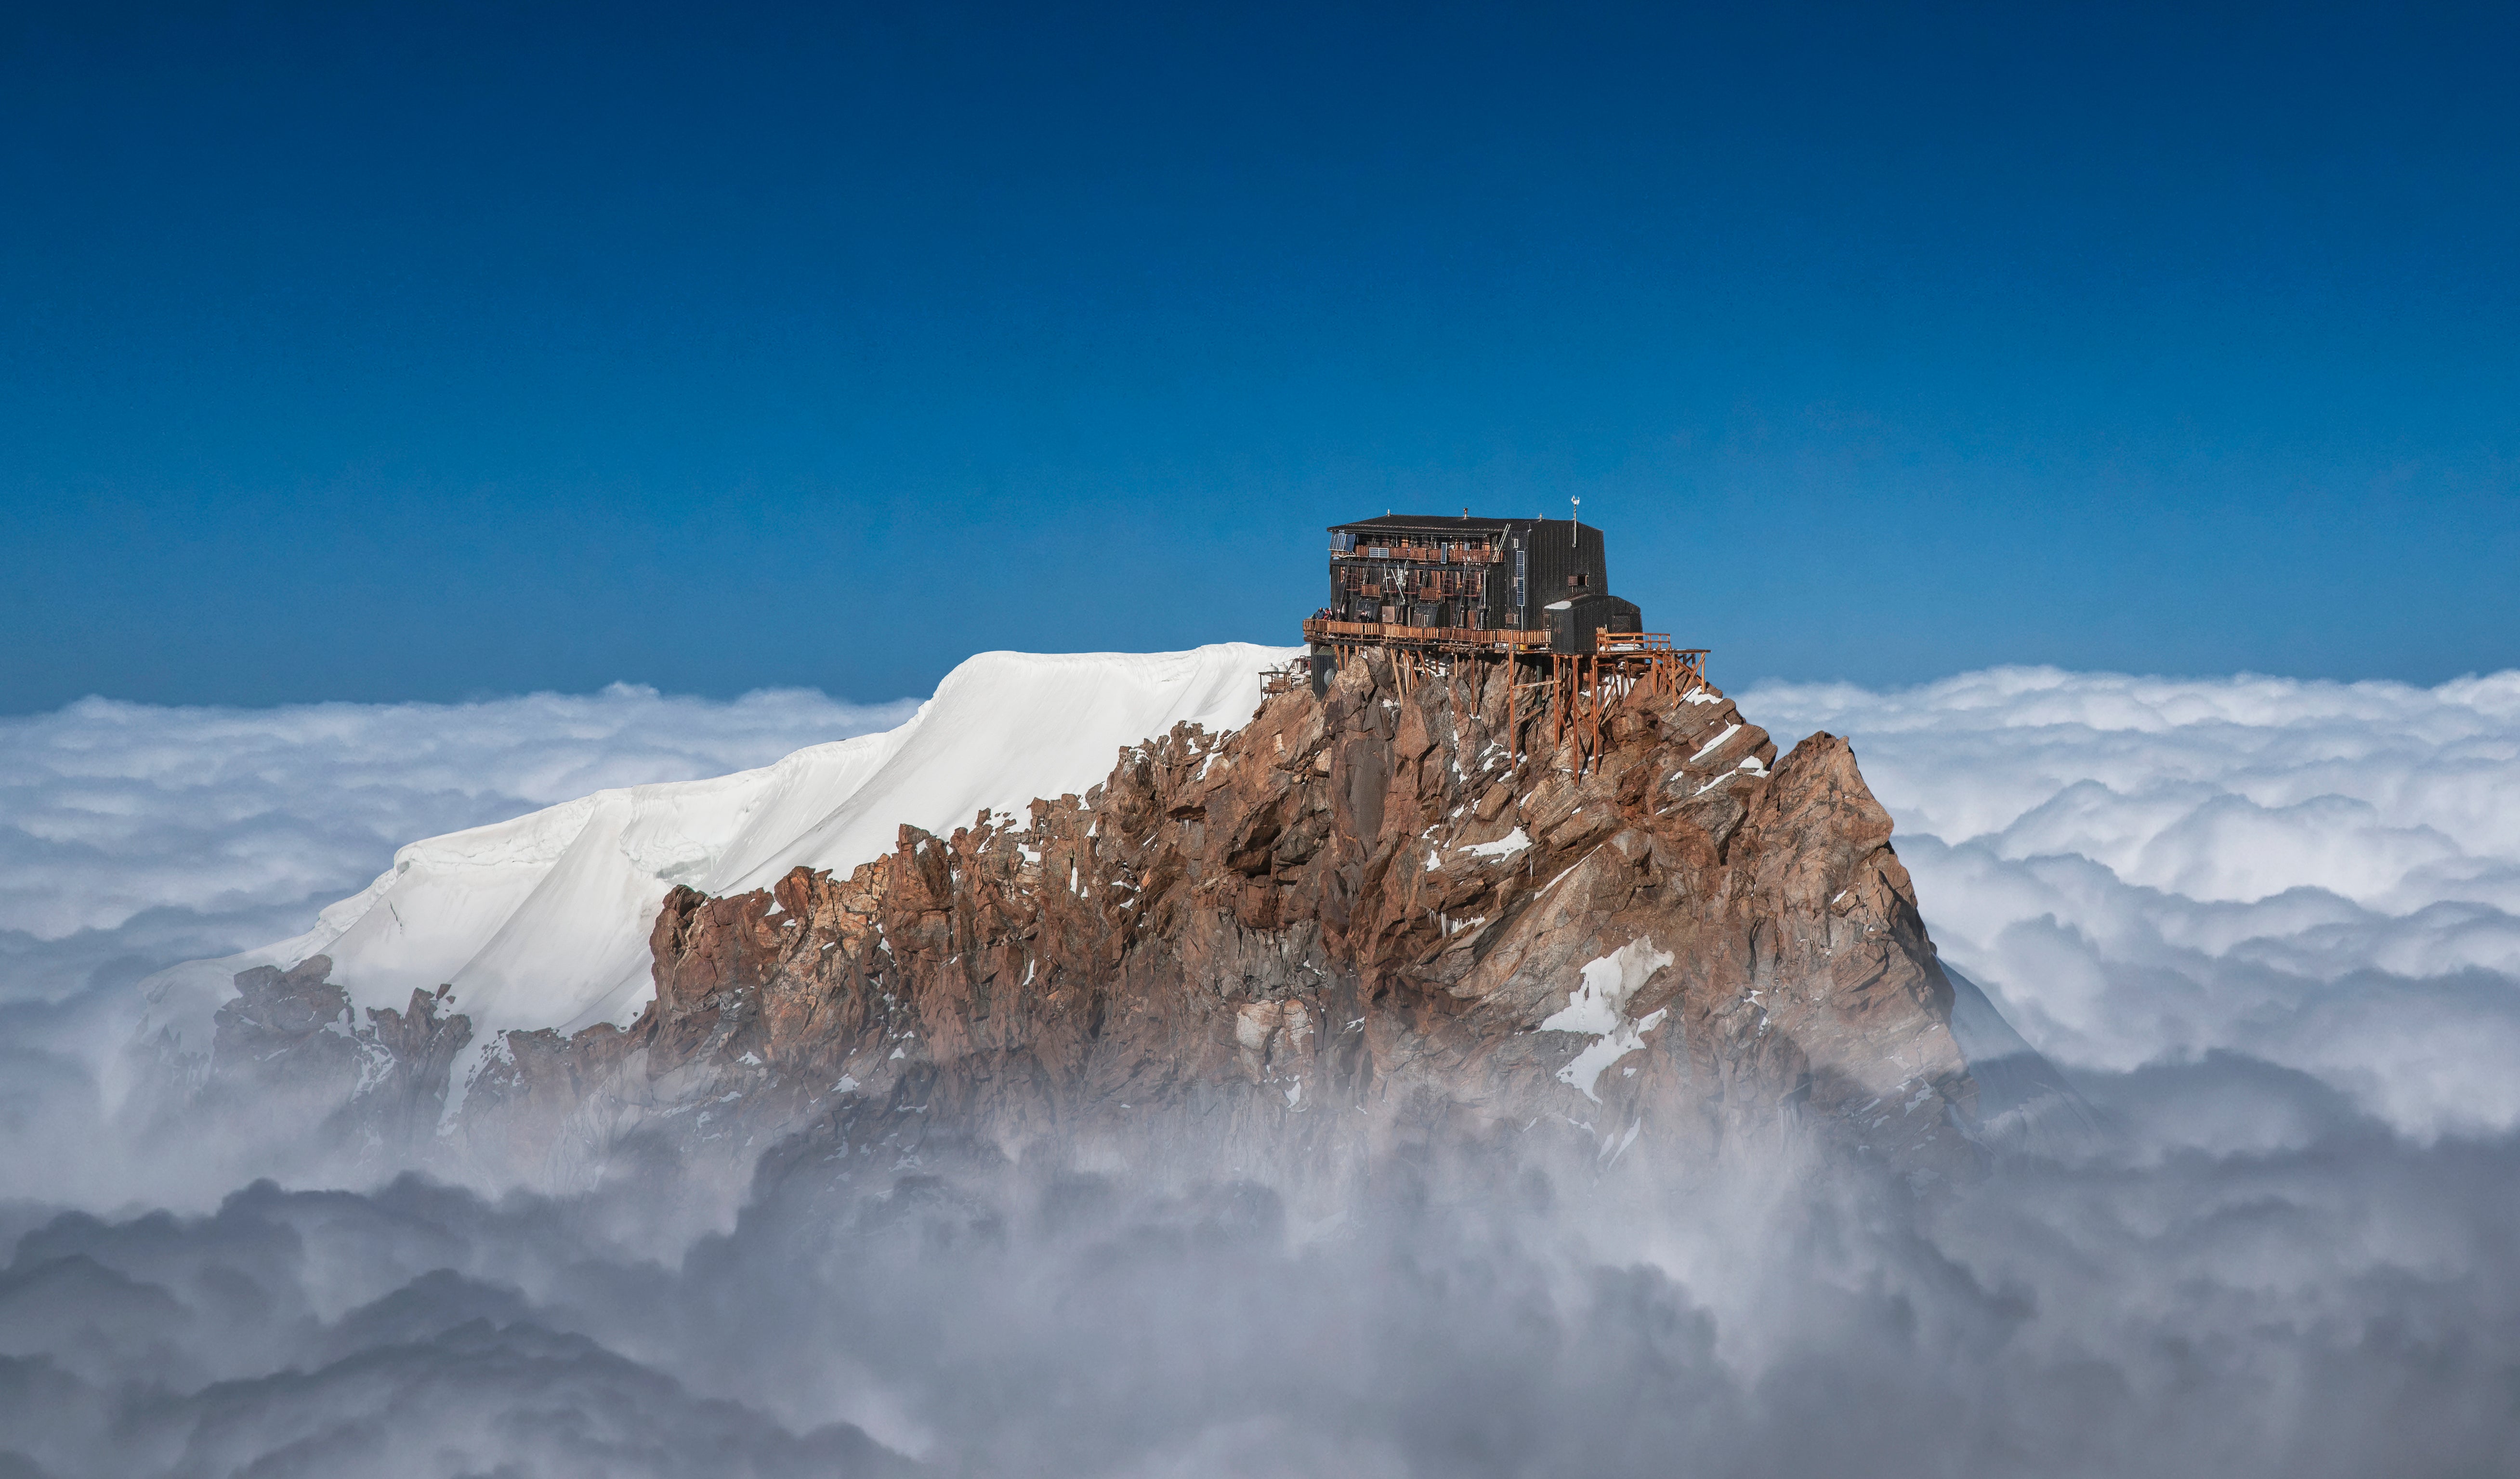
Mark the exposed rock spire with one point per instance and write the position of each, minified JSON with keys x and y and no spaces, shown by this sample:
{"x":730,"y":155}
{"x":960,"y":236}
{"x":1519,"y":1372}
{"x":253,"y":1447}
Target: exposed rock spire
{"x":1359,"y":927}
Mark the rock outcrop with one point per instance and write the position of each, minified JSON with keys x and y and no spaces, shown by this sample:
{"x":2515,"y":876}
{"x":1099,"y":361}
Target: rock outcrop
{"x":1360,"y":930}
{"x":290,"y":1052}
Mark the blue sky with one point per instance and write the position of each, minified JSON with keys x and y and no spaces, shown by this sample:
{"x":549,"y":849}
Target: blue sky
{"x":383,"y":353}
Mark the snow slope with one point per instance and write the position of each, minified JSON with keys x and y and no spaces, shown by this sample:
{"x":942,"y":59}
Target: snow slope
{"x":543,"y":921}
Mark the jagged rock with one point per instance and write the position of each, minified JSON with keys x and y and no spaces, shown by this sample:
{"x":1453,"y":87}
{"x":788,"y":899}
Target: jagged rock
{"x":1358,"y":928}
{"x":288,"y":1048}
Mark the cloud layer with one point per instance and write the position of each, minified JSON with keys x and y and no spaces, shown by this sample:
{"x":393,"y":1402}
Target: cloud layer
{"x":2324,"y":876}
{"x":2344,"y":1309}
{"x":132,"y":836}
{"x":2268,"y":926}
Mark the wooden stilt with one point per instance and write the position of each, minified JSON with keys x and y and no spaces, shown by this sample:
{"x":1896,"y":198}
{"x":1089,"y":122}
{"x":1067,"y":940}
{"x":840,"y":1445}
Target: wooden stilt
{"x":1561,"y":696}
{"x":1513,"y":713}
{"x":1557,"y":703}
{"x":1583,"y":714}
{"x":1593,"y":709}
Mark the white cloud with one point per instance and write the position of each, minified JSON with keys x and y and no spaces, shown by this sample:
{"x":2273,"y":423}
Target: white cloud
{"x":2325,"y":875}
{"x":133,"y":835}
{"x":2252,"y":913}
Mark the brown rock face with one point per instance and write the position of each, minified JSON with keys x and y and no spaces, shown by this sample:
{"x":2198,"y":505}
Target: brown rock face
{"x":1356,"y":929}
{"x":291,"y":1052}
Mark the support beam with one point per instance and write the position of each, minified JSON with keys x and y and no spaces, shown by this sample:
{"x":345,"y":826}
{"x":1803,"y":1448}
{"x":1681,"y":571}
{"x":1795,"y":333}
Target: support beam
{"x":1512,"y":716}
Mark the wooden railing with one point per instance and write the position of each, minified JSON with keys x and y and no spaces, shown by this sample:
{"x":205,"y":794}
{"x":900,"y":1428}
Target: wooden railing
{"x":1607,"y":641}
{"x":1323,"y":629}
{"x":1429,"y":554}
{"x":1433,"y":585}
{"x":1686,"y":665}
{"x":1569,"y":701}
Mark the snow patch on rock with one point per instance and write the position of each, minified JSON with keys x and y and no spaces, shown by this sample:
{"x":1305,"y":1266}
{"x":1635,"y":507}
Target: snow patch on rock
{"x":1506,"y":846}
{"x":1598,"y":1007}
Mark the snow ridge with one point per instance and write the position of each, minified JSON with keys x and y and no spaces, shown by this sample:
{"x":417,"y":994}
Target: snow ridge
{"x":543,"y":921}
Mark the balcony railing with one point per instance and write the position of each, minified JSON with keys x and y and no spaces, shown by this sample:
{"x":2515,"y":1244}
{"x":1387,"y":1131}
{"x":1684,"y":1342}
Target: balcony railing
{"x":1608,"y":640}
{"x":1426,"y":554}
{"x":1605,"y":643}
{"x":1438,"y":586}
{"x":1473,"y":638}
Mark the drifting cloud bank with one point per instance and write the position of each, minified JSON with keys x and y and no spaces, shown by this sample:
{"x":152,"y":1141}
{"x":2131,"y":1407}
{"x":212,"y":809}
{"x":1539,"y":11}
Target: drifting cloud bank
{"x":2323,"y":875}
{"x":2342,"y":1312}
{"x":132,"y":836}
{"x":2268,"y":926}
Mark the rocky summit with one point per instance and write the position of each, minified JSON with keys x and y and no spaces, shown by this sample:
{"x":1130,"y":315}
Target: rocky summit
{"x":1367,"y":929}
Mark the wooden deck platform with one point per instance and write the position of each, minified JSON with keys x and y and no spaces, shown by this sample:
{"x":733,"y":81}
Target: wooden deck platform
{"x":1568,"y":700}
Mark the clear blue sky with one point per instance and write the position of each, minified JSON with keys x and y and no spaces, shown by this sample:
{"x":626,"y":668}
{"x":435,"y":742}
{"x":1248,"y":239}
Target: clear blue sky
{"x":428,"y":350}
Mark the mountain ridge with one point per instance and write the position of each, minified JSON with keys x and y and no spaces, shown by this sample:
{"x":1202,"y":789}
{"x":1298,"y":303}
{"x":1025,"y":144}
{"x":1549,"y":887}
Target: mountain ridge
{"x":1355,"y":929}
{"x":542,"y":919}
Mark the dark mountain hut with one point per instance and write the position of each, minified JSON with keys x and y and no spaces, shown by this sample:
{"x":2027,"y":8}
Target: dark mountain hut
{"x":1434,"y":588}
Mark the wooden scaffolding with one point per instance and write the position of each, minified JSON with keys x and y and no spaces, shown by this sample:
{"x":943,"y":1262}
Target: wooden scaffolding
{"x":1567,"y":694}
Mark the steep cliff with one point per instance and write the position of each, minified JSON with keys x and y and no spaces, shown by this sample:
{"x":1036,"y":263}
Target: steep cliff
{"x":1356,"y":928}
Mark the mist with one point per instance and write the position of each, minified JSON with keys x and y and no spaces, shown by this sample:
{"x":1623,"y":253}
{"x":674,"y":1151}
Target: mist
{"x":2264,"y":928}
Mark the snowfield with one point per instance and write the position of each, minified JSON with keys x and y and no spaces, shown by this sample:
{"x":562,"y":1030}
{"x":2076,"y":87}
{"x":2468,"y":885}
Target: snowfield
{"x":543,"y":921}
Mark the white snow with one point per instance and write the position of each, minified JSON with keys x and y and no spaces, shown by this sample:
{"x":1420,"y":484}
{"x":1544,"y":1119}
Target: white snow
{"x":1716,"y":744}
{"x":1598,"y":1005}
{"x":1506,"y":846}
{"x":543,"y":921}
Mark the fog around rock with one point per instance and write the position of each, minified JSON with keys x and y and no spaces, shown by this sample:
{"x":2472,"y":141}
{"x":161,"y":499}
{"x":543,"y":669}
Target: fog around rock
{"x":2267,"y":927}
{"x":2321,"y":875}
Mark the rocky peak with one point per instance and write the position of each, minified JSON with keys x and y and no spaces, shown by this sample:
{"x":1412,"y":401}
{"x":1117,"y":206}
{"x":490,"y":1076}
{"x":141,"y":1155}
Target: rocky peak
{"x":1364,"y":926}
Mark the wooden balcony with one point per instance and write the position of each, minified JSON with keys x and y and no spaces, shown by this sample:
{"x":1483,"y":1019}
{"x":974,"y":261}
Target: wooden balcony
{"x":1439,"y":585}
{"x":1424,"y":554}
{"x":1622,"y":650}
{"x":1324,"y":630}
{"x":1627,"y":643}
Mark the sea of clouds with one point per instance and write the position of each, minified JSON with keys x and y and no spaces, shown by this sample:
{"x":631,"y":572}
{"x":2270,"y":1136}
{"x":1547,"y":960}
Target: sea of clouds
{"x":2268,"y":929}
{"x":2321,"y":875}
{"x":132,"y":836}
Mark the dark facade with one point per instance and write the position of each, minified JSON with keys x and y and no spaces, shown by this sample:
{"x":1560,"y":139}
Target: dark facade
{"x":1472,"y":575}
{"x":1576,"y":623}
